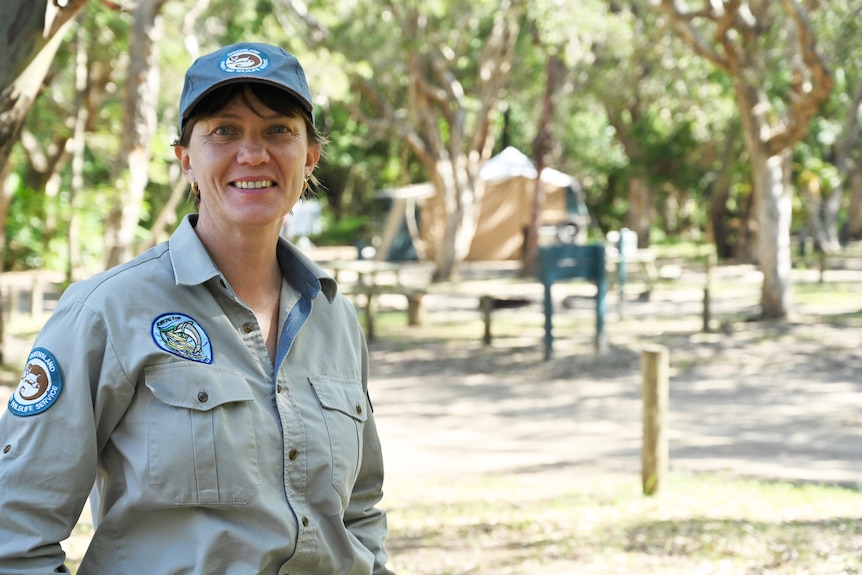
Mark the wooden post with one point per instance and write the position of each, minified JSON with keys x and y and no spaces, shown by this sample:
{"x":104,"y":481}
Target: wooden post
{"x":486,"y":305}
{"x":415,"y":311}
{"x":707,"y":292}
{"x":370,"y":310}
{"x":655,"y":392}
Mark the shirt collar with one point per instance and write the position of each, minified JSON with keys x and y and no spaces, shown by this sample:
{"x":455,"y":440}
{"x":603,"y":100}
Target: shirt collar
{"x":193,"y":265}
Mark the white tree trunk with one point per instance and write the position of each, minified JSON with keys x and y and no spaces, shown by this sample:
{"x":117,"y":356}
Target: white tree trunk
{"x":774,"y":210}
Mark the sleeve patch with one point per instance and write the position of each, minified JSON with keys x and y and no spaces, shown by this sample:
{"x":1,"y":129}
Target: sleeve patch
{"x":40,"y":385}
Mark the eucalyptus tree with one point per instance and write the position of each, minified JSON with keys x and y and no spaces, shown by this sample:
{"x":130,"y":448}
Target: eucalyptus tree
{"x":832,"y":165}
{"x":769,"y":52}
{"x":34,"y":31}
{"x":143,"y":76}
{"x":667,"y":112}
{"x":431,"y":74}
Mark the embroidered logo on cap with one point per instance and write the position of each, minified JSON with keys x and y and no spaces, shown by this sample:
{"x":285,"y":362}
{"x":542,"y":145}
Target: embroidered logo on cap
{"x":244,"y":60}
{"x":40,"y":385}
{"x":180,"y":335}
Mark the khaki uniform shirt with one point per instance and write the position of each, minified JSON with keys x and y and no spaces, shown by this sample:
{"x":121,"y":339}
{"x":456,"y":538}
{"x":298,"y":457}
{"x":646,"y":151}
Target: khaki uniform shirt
{"x":151,"y":384}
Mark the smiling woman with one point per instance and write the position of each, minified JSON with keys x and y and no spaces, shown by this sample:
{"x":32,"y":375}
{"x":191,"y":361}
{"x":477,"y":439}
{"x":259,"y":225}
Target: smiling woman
{"x":226,"y":405}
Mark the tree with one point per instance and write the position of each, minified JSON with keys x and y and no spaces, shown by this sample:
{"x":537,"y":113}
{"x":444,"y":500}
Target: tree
{"x":33,"y":35}
{"x":436,"y":87}
{"x":139,"y":125}
{"x":740,"y":39}
{"x":836,"y":142}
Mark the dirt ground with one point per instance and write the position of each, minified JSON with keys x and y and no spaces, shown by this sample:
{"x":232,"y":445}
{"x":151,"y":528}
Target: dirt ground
{"x":768,"y":400}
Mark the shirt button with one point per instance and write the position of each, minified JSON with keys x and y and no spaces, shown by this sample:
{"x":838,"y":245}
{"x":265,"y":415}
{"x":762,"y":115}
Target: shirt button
{"x":248,"y":327}
{"x":304,"y":521}
{"x":221,"y":281}
{"x":203,"y":396}
{"x":7,"y":449}
{"x":278,"y":389}
{"x":292,"y":454}
{"x":358,"y":409}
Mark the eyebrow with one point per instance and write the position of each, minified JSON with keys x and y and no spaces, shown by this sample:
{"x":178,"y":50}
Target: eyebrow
{"x":273,"y":116}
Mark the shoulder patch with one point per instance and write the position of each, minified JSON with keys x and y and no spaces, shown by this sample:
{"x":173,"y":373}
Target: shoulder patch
{"x":182,"y":336}
{"x":40,"y":385}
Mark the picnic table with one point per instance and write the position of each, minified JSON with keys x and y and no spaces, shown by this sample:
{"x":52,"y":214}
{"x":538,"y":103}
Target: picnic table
{"x":375,"y":278}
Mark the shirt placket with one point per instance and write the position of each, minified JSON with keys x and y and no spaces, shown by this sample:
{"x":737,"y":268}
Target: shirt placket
{"x":295,"y":445}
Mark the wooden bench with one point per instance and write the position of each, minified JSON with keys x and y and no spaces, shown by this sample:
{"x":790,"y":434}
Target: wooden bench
{"x":488,"y":304}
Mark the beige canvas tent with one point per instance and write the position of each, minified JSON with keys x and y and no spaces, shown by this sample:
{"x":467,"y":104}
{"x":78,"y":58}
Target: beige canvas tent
{"x":504,"y":215}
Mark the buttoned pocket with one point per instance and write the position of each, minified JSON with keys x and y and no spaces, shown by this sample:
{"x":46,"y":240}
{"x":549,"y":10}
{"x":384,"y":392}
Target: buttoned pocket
{"x":344,"y":407}
{"x":201,"y":439}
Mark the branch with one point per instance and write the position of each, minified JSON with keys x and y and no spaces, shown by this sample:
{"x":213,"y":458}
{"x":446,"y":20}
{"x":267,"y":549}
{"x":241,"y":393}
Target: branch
{"x":811,"y":83}
{"x":682,"y":22}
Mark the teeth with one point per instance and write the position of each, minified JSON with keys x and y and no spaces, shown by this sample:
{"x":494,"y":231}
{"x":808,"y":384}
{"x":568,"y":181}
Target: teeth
{"x":254,"y":185}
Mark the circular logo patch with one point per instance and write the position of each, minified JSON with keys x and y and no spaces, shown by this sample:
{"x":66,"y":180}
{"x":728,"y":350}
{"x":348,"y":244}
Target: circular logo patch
{"x":40,"y":384}
{"x":181,"y":335}
{"x":244,"y":60}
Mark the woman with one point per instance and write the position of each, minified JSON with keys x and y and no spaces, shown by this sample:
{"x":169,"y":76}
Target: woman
{"x":212,"y":391}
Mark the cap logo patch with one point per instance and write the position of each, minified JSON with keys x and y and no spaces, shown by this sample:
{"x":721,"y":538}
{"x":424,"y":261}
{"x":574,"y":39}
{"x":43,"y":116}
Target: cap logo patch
{"x":40,"y":384}
{"x":182,"y":336}
{"x":244,"y":60}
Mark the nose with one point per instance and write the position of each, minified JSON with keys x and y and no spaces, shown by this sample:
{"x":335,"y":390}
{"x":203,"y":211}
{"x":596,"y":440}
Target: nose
{"x":252,"y":152}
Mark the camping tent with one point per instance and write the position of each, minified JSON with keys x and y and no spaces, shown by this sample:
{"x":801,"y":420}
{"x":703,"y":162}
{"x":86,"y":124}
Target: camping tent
{"x":504,"y":214}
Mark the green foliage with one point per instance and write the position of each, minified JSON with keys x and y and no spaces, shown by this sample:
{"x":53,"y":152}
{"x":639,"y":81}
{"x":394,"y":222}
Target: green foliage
{"x":635,"y":103}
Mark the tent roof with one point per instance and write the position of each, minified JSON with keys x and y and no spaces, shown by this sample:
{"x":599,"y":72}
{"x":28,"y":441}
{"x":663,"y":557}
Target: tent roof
{"x":512,"y":163}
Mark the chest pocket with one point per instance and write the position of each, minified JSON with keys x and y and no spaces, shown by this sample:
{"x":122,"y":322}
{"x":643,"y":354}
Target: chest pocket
{"x":345,"y":410}
{"x":201,"y":441}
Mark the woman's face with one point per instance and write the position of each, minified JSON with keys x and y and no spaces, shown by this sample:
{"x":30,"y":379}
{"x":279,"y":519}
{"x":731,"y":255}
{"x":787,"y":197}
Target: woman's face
{"x":250,"y":164}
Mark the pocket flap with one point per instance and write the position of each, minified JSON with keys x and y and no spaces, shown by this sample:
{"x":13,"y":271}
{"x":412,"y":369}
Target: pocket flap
{"x":201,"y":388}
{"x":344,"y":395}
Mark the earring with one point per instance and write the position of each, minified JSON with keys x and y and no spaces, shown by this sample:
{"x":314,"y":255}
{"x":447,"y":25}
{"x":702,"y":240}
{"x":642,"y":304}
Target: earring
{"x":196,"y":189}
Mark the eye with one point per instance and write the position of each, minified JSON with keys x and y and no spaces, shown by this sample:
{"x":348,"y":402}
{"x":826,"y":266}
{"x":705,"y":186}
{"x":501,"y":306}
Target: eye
{"x":281,"y":129}
{"x":222,"y":131}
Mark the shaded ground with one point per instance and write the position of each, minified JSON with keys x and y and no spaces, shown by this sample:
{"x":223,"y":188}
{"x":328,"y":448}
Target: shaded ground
{"x":774,"y":400}
{"x":767,"y":400}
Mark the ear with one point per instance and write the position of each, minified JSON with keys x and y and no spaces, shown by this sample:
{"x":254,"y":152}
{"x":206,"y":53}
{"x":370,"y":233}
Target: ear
{"x":312,"y":156}
{"x":182,"y":154}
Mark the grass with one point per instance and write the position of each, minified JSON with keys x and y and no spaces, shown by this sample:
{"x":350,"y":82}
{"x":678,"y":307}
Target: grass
{"x":601,"y":523}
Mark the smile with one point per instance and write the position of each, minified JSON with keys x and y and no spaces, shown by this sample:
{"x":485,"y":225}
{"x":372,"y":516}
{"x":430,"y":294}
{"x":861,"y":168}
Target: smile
{"x":254,"y":185}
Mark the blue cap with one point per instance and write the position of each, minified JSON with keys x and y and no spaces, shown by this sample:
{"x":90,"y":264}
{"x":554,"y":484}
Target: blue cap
{"x":244,"y":62}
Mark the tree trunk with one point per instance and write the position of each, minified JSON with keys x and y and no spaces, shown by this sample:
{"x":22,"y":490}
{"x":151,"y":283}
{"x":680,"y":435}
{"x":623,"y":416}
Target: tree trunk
{"x":458,"y":184}
{"x":554,"y":75}
{"x":774,"y":206}
{"x":719,"y":216}
{"x":854,"y":211}
{"x":639,"y":216}
{"x":74,"y":270}
{"x":142,"y":88}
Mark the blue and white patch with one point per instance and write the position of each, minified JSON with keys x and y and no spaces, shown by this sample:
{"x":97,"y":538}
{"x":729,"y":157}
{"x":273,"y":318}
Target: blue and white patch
{"x":40,"y":385}
{"x":182,"y":336}
{"x":244,"y":61}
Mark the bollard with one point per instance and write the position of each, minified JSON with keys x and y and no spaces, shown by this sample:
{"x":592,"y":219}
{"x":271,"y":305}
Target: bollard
{"x":655,"y":396}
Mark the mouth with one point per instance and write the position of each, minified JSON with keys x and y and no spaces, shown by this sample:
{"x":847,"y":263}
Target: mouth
{"x":257,"y":185}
